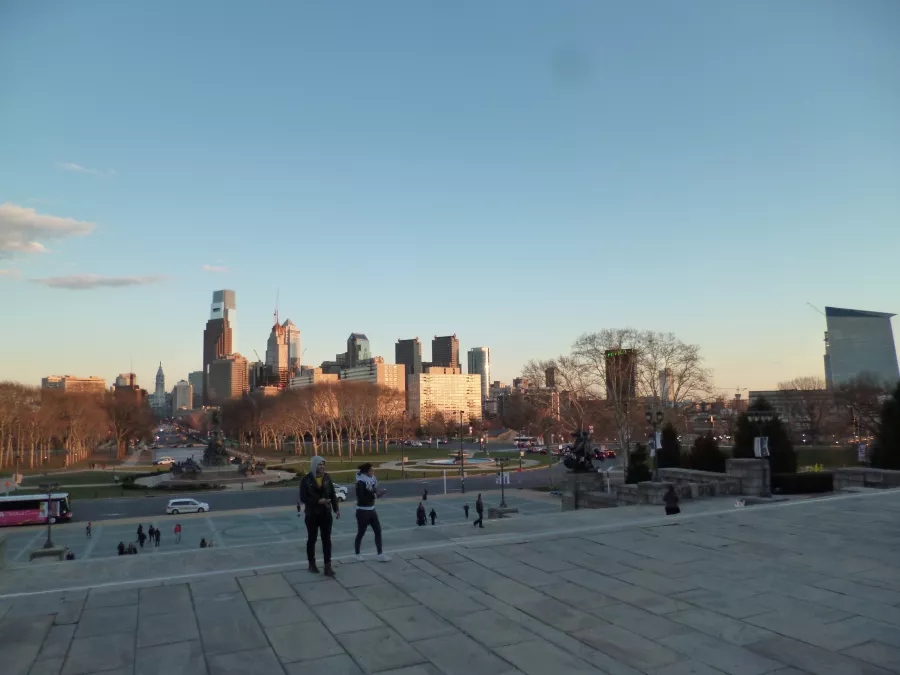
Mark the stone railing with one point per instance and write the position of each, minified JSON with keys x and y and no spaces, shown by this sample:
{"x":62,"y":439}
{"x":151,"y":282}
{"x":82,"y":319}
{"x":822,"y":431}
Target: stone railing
{"x":753,"y":475}
{"x":858,"y":477}
{"x":691,"y":484}
{"x":642,"y":493}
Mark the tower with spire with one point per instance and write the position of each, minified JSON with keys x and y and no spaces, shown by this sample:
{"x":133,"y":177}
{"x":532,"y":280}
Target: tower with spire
{"x":158,"y":401}
{"x":160,"y":382}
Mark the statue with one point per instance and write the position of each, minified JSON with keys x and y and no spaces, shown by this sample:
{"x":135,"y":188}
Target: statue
{"x":578,"y":455}
{"x":215,"y":454}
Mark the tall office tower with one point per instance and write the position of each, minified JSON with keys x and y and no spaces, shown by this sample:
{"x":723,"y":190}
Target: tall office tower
{"x":409,"y":354}
{"x":550,"y":377}
{"x":126,"y":380}
{"x":667,"y":387}
{"x":859,"y":343}
{"x":357,"y":349}
{"x":196,"y":380}
{"x":292,"y":336}
{"x":282,"y":351}
{"x":219,"y":333}
{"x":182,"y":396}
{"x":227,"y":379}
{"x":445,"y":351}
{"x":480,"y":364}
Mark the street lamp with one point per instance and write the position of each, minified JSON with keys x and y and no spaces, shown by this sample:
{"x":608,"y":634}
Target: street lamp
{"x":462,"y":457}
{"x":758,"y":419}
{"x":49,"y":488}
{"x":402,"y":451}
{"x":502,"y":462}
{"x":654,"y":421}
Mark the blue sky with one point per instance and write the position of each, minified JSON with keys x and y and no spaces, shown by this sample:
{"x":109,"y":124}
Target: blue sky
{"x":514,"y":172}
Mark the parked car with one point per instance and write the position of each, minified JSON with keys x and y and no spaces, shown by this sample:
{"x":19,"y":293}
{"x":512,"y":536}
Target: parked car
{"x":186,"y":505}
{"x":164,"y":460}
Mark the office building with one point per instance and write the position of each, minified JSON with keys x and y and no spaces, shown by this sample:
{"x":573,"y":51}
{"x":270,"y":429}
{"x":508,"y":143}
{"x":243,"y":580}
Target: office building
{"x":227,"y":379}
{"x":126,"y":380}
{"x":224,"y":306}
{"x":309,"y":377}
{"x":430,"y":394}
{"x":282,"y":353}
{"x":621,"y":374}
{"x":216,"y":345}
{"x":158,"y":401}
{"x":859,"y":343}
{"x":480,"y":364}
{"x":409,"y":354}
{"x":196,"y":381}
{"x":357,"y":349}
{"x":441,"y":370}
{"x":667,"y":388}
{"x":550,"y":377}
{"x":73,"y":384}
{"x":182,"y":396}
{"x":376,"y":371}
{"x":445,"y":351}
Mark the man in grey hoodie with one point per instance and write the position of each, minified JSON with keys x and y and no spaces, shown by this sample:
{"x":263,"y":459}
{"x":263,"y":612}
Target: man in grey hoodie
{"x":318,"y":496}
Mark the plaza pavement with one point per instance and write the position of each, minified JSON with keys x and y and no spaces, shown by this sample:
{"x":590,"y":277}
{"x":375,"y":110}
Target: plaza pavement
{"x":806,"y":586}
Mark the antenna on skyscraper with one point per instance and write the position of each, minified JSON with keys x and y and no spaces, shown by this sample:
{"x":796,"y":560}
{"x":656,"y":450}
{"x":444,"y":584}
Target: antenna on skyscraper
{"x":816,"y":308}
{"x":277,"y":293}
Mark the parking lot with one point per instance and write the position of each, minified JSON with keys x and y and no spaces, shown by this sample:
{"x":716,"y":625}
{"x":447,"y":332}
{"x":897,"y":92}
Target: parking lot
{"x":258,"y":527}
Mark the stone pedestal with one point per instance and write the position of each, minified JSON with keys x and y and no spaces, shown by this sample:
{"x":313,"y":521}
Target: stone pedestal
{"x":753,"y":475}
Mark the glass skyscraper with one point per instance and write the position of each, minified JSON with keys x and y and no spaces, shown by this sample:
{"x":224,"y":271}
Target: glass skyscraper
{"x":480,"y":364}
{"x":859,"y":343}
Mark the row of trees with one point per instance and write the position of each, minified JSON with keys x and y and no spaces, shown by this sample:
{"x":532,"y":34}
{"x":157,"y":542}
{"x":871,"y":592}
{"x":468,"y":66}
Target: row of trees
{"x":37,"y":425}
{"x":320,"y":419}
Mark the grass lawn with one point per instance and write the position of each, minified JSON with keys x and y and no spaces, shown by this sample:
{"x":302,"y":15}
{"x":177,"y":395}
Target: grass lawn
{"x":77,"y":478}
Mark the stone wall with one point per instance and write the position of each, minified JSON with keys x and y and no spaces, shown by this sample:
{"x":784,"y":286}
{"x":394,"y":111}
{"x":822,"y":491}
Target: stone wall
{"x":859,"y":477}
{"x":586,"y":491}
{"x":647,"y":492}
{"x":753,"y":475}
{"x":691,"y":484}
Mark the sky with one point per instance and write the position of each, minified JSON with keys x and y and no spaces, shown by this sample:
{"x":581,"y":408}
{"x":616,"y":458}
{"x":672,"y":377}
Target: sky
{"x":516,"y":173}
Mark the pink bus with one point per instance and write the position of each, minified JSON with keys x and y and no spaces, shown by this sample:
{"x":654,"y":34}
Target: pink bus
{"x":32,"y":509}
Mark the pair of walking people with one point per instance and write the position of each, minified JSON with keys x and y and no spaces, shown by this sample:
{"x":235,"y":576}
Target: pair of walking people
{"x":319,"y":498}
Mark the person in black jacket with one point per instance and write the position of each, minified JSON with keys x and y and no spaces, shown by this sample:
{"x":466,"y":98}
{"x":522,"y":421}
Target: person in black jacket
{"x":479,"y":509}
{"x":318,"y":496}
{"x":366,"y":493}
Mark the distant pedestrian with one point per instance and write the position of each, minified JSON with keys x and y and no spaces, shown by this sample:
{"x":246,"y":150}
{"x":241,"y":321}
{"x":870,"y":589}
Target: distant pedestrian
{"x":425,"y":494}
{"x":479,"y":509}
{"x":151,"y":533}
{"x":366,"y":493}
{"x":420,"y":514}
{"x":140,"y":531}
{"x":70,"y":555}
{"x":156,"y":537}
{"x":141,"y":539}
{"x":671,"y":501}
{"x":121,"y":548}
{"x":203,"y":543}
{"x":433,"y":516}
{"x":87,"y":531}
{"x":177,"y":533}
{"x":466,"y":509}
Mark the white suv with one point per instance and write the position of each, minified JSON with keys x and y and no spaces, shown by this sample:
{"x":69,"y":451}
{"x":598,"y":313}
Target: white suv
{"x":188,"y":505}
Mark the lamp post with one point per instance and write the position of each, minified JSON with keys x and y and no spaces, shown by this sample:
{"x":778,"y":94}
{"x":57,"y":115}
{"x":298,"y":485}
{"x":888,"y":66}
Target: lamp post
{"x":758,"y":419}
{"x":49,"y":488}
{"x":462,"y":457}
{"x":502,"y":462}
{"x":654,"y":421}
{"x":402,"y":451}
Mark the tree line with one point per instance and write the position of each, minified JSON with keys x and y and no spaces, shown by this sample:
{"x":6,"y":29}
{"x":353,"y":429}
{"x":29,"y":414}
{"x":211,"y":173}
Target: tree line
{"x":38,"y":425}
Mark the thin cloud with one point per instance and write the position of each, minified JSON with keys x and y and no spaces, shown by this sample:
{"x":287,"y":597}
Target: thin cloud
{"x":214,"y":268}
{"x":86,"y":282}
{"x":9,"y":273}
{"x":78,"y":168}
{"x":21,"y":227}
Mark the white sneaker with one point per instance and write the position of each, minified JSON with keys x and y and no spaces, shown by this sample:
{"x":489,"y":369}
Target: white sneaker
{"x":383,"y":557}
{"x":359,"y":558}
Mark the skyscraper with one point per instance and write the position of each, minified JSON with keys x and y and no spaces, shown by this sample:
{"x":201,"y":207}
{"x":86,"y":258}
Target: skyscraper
{"x":409,"y":353}
{"x":218,"y":335}
{"x":283,"y":352}
{"x":182,"y":396}
{"x":859,"y":343}
{"x":196,"y":380}
{"x":445,"y":351}
{"x":480,"y":364}
{"x":227,"y":379}
{"x":667,"y":387}
{"x":158,"y":400}
{"x":160,"y":382}
{"x":357,"y":349}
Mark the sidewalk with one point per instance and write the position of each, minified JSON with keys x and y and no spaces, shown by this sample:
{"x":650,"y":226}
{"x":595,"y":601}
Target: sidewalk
{"x":795,"y":587}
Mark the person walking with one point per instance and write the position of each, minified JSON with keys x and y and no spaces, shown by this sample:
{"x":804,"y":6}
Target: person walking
{"x":366,"y":493}
{"x":671,"y":501}
{"x":151,"y":533}
{"x":420,"y":514}
{"x":140,"y":531}
{"x":433,"y":516}
{"x":142,"y":537}
{"x":479,"y":509}
{"x":156,"y":537}
{"x":425,"y":494}
{"x":466,"y":509}
{"x":318,"y":496}
{"x":87,"y":531}
{"x":177,"y":533}
{"x":121,"y":548}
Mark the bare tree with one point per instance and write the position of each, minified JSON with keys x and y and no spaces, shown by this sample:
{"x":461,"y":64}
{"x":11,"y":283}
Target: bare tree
{"x":861,"y":400}
{"x":808,"y":403}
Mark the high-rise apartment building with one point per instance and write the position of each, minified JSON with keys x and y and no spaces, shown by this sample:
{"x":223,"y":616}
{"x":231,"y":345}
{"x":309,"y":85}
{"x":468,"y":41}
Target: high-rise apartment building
{"x":357,"y":349}
{"x":73,"y":384}
{"x":430,"y":394}
{"x":182,"y":396}
{"x":480,"y":364}
{"x":218,"y":337}
{"x":126,"y":380}
{"x":550,"y":377}
{"x":376,"y":371}
{"x":313,"y":376}
{"x":409,"y":354}
{"x":859,"y":343}
{"x":196,"y":380}
{"x":445,"y":351}
{"x":227,"y":379}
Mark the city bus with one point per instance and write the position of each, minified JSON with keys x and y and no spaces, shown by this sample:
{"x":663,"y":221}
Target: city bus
{"x":525,"y":441}
{"x":32,"y":509}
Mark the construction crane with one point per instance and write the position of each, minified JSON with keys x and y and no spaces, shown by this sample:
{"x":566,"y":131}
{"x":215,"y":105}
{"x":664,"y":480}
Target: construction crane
{"x":816,"y":308}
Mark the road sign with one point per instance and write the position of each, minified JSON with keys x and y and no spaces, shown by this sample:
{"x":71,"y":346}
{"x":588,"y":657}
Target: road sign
{"x":505,"y":479}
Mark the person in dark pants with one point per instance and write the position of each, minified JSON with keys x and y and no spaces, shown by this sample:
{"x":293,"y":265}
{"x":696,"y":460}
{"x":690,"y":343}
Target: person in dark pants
{"x":466,"y":509}
{"x":479,"y":509}
{"x":420,"y":514}
{"x":433,"y":516}
{"x":142,"y":537}
{"x":87,"y":531}
{"x":156,"y":537}
{"x":671,"y":501}
{"x":318,"y":496}
{"x":366,"y":493}
{"x":425,"y":494}
{"x":121,"y":548}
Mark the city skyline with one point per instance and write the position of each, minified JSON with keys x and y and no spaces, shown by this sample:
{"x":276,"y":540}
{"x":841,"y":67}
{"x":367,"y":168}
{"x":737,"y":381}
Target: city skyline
{"x":690,"y":147}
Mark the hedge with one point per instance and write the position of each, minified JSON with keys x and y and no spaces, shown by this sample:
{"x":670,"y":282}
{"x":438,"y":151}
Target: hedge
{"x":811,"y":482}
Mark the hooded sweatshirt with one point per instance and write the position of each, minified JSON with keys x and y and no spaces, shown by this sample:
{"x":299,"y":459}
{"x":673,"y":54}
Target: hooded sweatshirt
{"x":314,"y":488}
{"x":366,"y":491}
